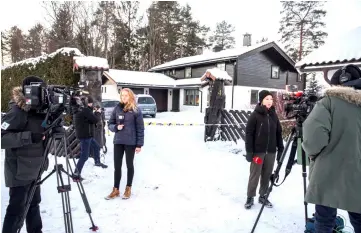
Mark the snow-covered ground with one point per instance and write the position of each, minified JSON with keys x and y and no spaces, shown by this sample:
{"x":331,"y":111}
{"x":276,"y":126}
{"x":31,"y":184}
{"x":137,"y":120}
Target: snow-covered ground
{"x":181,"y":185}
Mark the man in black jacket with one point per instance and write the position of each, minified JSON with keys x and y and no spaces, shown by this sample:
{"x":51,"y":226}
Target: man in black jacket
{"x":84,"y":122}
{"x":23,"y":140}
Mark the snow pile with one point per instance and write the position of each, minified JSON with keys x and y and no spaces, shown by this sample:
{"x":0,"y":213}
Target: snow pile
{"x":189,"y":82}
{"x":216,"y":73}
{"x":35,"y":60}
{"x":90,"y":62}
{"x":181,"y":185}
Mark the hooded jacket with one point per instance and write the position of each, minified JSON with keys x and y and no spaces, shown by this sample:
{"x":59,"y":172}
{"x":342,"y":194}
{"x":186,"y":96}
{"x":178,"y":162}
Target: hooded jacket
{"x":332,"y":139}
{"x":23,"y":158}
{"x":263,"y":132}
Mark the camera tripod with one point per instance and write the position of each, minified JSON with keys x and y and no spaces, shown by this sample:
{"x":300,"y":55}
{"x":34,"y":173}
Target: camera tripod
{"x":56,"y":136}
{"x":296,"y":138}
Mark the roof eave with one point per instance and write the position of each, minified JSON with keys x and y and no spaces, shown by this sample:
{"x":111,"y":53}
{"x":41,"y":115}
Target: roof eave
{"x":193,"y":63}
{"x":314,"y":67}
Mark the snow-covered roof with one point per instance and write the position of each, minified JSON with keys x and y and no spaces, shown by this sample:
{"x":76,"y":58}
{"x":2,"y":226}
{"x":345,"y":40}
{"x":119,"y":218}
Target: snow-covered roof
{"x":342,"y":49}
{"x":90,"y":62}
{"x":138,"y":78}
{"x":35,"y":60}
{"x":211,"y":56}
{"x":216,"y":73}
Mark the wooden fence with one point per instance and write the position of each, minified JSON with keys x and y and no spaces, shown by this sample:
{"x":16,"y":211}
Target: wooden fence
{"x":232,"y":126}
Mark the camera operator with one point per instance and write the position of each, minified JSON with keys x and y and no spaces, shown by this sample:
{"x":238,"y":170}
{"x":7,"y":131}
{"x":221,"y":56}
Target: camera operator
{"x":332,"y":140}
{"x":84,"y":122}
{"x":263,"y":137}
{"x":23,"y":140}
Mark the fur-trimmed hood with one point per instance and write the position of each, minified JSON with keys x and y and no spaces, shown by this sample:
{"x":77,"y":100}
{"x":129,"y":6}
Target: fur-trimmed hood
{"x":346,"y":93}
{"x":18,"y":98}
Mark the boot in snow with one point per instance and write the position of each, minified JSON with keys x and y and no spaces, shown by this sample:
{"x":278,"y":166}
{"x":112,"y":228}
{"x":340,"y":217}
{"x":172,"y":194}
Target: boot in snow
{"x":115,"y":193}
{"x":127,"y":193}
{"x":262,"y":199}
{"x":249,"y":203}
{"x":102,"y":165}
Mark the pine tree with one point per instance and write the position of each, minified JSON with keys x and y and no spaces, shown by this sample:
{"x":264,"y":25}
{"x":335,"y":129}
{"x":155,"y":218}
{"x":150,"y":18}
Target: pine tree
{"x":313,"y":87}
{"x":302,"y":27}
{"x":34,"y":41}
{"x":4,"y":46}
{"x":222,"y":36}
{"x":16,"y":40}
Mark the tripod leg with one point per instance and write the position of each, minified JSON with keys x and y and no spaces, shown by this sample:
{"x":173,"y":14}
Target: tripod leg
{"x":304,"y":175}
{"x":85,"y":199}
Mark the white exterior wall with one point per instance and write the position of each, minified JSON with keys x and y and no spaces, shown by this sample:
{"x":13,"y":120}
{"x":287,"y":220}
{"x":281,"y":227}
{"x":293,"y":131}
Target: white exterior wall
{"x":110,"y":91}
{"x":170,"y":99}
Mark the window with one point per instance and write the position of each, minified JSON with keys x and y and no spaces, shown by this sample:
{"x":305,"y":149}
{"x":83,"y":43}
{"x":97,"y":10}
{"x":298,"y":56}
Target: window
{"x":191,"y":97}
{"x":254,"y":96}
{"x":188,"y":72}
{"x":221,"y":66}
{"x":275,"y":72}
{"x":145,"y":100}
{"x":173,"y":72}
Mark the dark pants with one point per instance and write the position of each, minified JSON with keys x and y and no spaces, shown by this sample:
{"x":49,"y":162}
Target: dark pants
{"x":264,"y":171}
{"x":85,"y":146}
{"x":18,"y":198}
{"x":118,"y":160}
{"x":325,"y":219}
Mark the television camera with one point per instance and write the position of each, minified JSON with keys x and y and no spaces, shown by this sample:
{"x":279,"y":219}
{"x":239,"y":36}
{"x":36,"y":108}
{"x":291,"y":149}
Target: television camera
{"x":56,"y":101}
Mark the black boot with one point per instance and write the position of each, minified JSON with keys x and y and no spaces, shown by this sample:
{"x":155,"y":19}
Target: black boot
{"x":262,"y":199}
{"x":102,"y":165}
{"x":249,"y":203}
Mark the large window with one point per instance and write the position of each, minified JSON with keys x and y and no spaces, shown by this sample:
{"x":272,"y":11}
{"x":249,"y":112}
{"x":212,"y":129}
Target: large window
{"x":188,"y":72}
{"x":221,"y":66}
{"x":191,"y":97}
{"x":275,"y":72}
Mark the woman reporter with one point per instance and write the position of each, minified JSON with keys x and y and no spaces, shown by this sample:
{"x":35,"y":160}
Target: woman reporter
{"x":263,"y":137}
{"x":126,"y":121}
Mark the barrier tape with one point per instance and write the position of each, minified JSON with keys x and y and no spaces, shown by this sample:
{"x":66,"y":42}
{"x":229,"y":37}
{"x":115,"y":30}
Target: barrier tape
{"x":195,"y":124}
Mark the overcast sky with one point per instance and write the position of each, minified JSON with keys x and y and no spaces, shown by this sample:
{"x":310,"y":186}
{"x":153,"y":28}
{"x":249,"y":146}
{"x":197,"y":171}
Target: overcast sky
{"x":260,"y":18}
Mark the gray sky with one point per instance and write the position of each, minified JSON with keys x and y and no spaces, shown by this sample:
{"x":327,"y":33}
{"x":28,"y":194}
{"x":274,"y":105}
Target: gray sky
{"x":260,"y":18}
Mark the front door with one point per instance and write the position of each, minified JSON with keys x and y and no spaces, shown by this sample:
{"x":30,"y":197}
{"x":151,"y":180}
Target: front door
{"x":175,"y":100}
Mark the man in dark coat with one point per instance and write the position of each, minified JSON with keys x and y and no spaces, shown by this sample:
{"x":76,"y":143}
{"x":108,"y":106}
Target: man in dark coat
{"x":332,"y":139}
{"x":84,"y":122}
{"x":23,"y":140}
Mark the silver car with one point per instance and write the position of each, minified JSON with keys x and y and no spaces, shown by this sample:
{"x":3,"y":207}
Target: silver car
{"x":147,"y":104}
{"x":108,"y":106}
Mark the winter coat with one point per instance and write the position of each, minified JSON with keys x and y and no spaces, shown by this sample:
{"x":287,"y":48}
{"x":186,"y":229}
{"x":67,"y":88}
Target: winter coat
{"x":133,"y":130}
{"x":99,"y":133}
{"x":263,"y":131}
{"x":84,"y":122}
{"x":23,"y":158}
{"x":332,"y":139}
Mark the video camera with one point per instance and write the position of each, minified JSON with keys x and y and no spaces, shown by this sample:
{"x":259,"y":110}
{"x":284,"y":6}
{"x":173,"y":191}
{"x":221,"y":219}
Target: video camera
{"x":300,"y":104}
{"x":52,"y":98}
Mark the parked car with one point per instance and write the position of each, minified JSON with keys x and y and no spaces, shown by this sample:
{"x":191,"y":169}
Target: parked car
{"x":108,"y":106}
{"x":147,"y":104}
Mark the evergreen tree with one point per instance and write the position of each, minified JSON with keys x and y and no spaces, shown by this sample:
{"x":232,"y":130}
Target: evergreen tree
{"x":16,"y":40}
{"x":313,"y":87}
{"x":222,"y":37}
{"x":302,"y":27}
{"x":34,"y":41}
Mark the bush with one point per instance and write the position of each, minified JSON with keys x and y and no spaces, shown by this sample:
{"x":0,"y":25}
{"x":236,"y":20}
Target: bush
{"x":286,"y":124}
{"x":55,"y":68}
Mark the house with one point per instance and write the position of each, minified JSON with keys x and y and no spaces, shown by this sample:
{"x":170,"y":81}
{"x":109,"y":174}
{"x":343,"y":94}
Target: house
{"x":333,"y":55}
{"x":252,"y":68}
{"x":166,"y":91}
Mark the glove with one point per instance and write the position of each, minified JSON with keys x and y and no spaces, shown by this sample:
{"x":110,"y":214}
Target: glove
{"x":279,"y":154}
{"x":249,"y":157}
{"x":36,"y":137}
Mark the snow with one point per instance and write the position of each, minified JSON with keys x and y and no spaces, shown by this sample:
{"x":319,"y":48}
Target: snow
{"x":91,"y":62}
{"x":343,"y":48}
{"x":181,"y":185}
{"x":35,"y":60}
{"x":210,"y":57}
{"x":219,"y":74}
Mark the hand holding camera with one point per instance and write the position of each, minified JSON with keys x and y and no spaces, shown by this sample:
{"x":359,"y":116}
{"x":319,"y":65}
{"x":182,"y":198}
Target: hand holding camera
{"x":120,"y":127}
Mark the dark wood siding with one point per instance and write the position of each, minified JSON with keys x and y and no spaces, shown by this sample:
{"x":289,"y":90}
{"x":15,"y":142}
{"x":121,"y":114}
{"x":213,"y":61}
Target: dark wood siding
{"x":292,"y":79}
{"x":137,"y":90}
{"x":255,"y":71}
{"x":161,"y":98}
